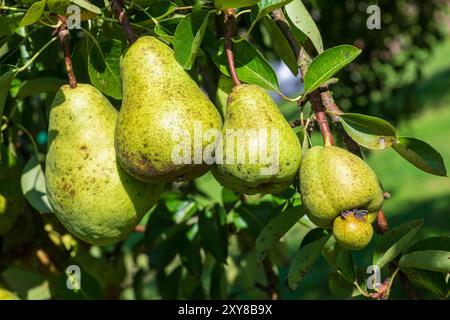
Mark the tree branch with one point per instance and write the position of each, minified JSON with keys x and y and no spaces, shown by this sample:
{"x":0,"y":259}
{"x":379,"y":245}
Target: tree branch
{"x":64,"y":38}
{"x":119,"y":10}
{"x":272,"y":279}
{"x":230,"y":24}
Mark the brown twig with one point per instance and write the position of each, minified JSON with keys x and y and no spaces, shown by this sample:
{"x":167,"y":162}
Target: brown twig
{"x":118,"y":7}
{"x":382,"y":223}
{"x":64,"y":37}
{"x":230,"y":24}
{"x":139,"y":229}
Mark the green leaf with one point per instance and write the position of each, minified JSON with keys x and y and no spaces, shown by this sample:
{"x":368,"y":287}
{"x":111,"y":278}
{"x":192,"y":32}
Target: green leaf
{"x":281,"y":46}
{"x":327,"y":64}
{"x":38,"y":85}
{"x":303,"y":22}
{"x":161,"y":9}
{"x":213,"y":232}
{"x":163,"y":33}
{"x":104,"y":67}
{"x":5,"y":84}
{"x":251,"y":66}
{"x":88,"y":6}
{"x":225,"y":4}
{"x":190,"y":256}
{"x":218,"y":288}
{"x":169,"y":286}
{"x":188,"y":37}
{"x":394,"y":242}
{"x":224,"y":86}
{"x":331,"y":251}
{"x":33,"y":13}
{"x":345,"y":265}
{"x":80,"y":56}
{"x":421,"y":155}
{"x":304,"y":259}
{"x":369,"y":132}
{"x":432,"y":243}
{"x":263,"y":8}
{"x":340,"y":288}
{"x":432,"y":260}
{"x":33,"y":186}
{"x":281,"y":223}
{"x":430,"y":280}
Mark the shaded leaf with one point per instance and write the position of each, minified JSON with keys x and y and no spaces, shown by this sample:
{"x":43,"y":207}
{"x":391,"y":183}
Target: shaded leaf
{"x":345,"y":265}
{"x":190,"y":256}
{"x":188,"y":37}
{"x":38,"y":85}
{"x":281,"y":45}
{"x":213,"y":232}
{"x":394,"y":242}
{"x":104,"y":68}
{"x":421,"y":155}
{"x":340,"y":288}
{"x":169,"y":285}
{"x":432,"y":243}
{"x":432,"y":281}
{"x":368,"y":131}
{"x":304,"y":259}
{"x":218,"y":288}
{"x":5,"y":84}
{"x":303,"y":22}
{"x":33,"y":186}
{"x":327,"y":64}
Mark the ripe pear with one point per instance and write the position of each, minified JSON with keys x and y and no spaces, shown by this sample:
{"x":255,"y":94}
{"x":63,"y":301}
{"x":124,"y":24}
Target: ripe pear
{"x":7,"y":295}
{"x":333,"y":180}
{"x":92,"y":196}
{"x":163,"y":125}
{"x":260,"y":153}
{"x":352,"y":232}
{"x":12,"y":201}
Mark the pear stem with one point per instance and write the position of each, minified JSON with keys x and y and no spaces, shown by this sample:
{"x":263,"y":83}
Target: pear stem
{"x":64,"y":38}
{"x":119,"y":10}
{"x":230,"y":24}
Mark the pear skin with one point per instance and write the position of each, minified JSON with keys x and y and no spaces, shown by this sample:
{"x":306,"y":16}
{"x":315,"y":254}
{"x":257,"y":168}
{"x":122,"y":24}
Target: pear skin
{"x":162,"y":125}
{"x":251,"y":115}
{"x":353,"y":233}
{"x":92,"y":196}
{"x":333,"y":180}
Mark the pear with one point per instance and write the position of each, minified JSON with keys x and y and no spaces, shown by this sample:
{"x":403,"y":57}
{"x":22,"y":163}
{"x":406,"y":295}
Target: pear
{"x":166,"y":124}
{"x":333,"y":181}
{"x":12,"y":201}
{"x":92,"y":196}
{"x":7,"y":295}
{"x":259,"y":152}
{"x":352,"y":232}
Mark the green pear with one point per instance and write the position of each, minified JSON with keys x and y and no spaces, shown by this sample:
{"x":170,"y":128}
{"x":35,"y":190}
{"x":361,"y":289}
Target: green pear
{"x":259,"y":152}
{"x":12,"y":201}
{"x":7,"y":295}
{"x":92,"y":196}
{"x":166,"y":122}
{"x":333,"y":180}
{"x":352,"y":232}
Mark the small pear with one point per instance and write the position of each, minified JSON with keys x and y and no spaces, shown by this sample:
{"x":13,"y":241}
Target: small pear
{"x":166,"y":123}
{"x":93,"y":197}
{"x":333,"y":181}
{"x":352,"y":232}
{"x":12,"y":201}
{"x":259,"y":153}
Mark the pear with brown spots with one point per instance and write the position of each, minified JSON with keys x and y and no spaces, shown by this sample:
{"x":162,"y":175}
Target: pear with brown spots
{"x":333,"y":180}
{"x":92,"y":196}
{"x":352,"y":232}
{"x":167,"y":127}
{"x":259,"y":153}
